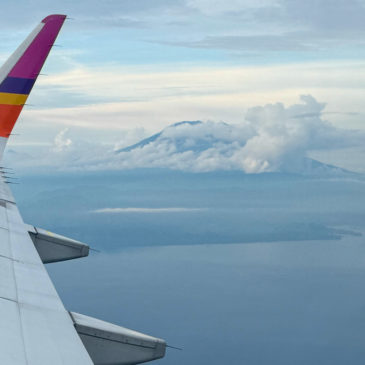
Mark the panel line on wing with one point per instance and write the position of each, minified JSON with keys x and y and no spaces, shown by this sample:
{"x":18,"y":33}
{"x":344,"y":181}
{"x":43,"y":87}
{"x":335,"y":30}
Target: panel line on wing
{"x":112,"y":340}
{"x":8,"y":299}
{"x":16,"y":293}
{"x":15,"y":260}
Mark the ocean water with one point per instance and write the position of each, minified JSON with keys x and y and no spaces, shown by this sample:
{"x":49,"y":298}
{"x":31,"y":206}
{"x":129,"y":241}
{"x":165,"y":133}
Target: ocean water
{"x":230,"y":207}
{"x":270,"y":269}
{"x":298,"y":302}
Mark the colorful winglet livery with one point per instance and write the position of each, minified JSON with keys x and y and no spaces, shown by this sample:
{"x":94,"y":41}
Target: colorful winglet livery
{"x":21,"y":70}
{"x":36,"y":328}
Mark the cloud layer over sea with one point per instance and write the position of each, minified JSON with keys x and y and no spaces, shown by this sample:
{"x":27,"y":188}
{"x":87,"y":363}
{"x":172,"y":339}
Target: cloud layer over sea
{"x":271,"y":138}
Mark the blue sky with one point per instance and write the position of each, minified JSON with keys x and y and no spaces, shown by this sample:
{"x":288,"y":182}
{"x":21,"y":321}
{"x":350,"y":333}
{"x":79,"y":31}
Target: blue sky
{"x":147,"y":64}
{"x":126,"y":69}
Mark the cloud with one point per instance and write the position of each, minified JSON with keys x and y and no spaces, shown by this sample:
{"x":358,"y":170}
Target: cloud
{"x":328,"y":16}
{"x":271,"y":138}
{"x":101,"y":91}
{"x":259,"y":28}
{"x":155,"y":98}
{"x":84,"y":11}
{"x":257,"y":44}
{"x":219,"y":7}
{"x":61,"y":142}
{"x":121,"y":28}
{"x":146,"y":210}
{"x":130,"y":137}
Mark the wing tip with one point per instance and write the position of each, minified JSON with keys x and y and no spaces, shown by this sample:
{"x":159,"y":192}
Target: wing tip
{"x":54,"y":17}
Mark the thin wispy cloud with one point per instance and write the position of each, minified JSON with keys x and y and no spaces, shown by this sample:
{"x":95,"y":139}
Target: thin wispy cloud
{"x":221,"y":7}
{"x":153,"y":99}
{"x":146,"y":210}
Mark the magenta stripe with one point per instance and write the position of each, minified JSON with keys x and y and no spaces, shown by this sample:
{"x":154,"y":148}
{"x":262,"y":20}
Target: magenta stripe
{"x":33,"y":58}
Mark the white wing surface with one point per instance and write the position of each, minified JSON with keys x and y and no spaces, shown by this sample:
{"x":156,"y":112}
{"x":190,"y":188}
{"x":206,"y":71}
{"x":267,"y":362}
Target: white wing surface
{"x":35,"y":327}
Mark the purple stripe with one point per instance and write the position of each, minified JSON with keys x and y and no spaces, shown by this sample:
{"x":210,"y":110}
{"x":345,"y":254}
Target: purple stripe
{"x":31,"y":62}
{"x":16,"y":85}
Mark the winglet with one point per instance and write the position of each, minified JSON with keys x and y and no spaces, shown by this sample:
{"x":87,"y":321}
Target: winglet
{"x":20,"y":71}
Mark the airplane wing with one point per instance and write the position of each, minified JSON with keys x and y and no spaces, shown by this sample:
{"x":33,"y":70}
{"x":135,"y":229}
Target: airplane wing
{"x":36,"y":329}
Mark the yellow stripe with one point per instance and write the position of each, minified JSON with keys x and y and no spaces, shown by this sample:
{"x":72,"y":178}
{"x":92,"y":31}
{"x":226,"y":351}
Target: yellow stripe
{"x":12,"y":99}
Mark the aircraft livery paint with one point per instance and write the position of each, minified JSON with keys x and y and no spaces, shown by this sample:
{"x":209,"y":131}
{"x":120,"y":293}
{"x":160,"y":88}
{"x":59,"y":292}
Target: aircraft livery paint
{"x":18,"y":83}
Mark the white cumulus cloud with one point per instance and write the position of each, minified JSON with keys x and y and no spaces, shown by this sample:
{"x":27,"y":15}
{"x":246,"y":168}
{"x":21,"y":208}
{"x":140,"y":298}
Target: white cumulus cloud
{"x":61,"y":142}
{"x":270,"y":138}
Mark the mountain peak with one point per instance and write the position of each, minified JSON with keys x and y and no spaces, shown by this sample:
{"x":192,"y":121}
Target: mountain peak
{"x":194,"y":122}
{"x":154,"y":137}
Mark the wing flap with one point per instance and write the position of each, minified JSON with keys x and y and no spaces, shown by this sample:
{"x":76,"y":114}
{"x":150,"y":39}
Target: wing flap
{"x":109,"y":344}
{"x":53,"y":247}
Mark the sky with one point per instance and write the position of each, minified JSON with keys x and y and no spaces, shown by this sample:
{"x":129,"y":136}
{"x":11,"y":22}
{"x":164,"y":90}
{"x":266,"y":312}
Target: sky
{"x":123,"y":70}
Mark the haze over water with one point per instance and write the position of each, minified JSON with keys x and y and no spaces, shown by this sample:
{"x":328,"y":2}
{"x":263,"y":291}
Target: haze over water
{"x":254,"y":269}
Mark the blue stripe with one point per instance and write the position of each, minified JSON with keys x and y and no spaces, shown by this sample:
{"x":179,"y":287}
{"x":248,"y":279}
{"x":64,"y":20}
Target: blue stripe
{"x":16,"y":85}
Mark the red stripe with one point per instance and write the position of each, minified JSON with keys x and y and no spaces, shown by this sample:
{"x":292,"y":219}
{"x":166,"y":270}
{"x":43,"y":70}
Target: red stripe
{"x":8,"y":116}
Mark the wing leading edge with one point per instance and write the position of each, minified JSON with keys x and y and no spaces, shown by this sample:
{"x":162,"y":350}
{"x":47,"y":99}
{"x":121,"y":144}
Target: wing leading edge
{"x":35,"y":328}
